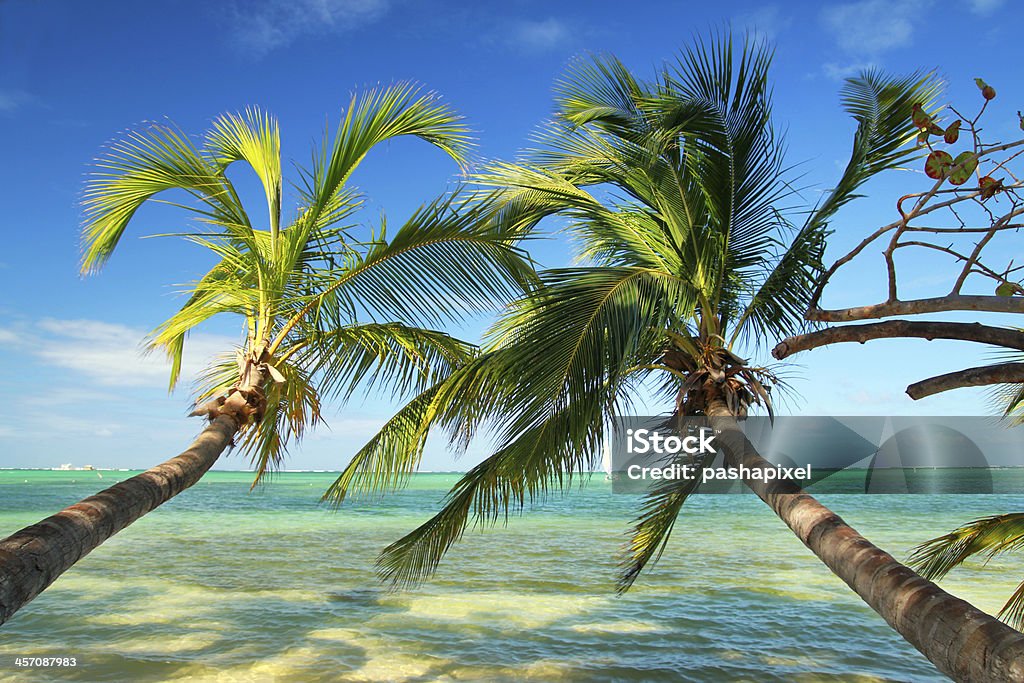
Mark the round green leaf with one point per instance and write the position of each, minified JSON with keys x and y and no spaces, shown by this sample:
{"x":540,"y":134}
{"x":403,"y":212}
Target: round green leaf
{"x":937,"y":165}
{"x":963,"y":168}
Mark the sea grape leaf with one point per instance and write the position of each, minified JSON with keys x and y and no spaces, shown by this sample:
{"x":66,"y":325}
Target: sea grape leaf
{"x":952,"y":132}
{"x":920,"y":118}
{"x":989,"y":186}
{"x":963,"y":167}
{"x":937,"y":165}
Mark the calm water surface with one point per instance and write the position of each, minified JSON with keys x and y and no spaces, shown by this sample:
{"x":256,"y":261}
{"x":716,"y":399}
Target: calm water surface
{"x":222,"y":584}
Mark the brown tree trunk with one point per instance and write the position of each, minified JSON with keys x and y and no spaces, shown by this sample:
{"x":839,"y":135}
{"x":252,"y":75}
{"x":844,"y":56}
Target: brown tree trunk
{"x":959,"y":639}
{"x":31,"y":559}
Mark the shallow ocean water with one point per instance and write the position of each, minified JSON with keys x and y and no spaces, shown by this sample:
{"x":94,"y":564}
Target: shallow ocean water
{"x":222,"y":584}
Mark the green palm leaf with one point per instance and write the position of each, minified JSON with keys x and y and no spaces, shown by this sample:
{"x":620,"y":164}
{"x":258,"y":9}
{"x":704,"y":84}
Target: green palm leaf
{"x":323,"y":313}
{"x":672,"y":188}
{"x":989,"y":536}
{"x":881,"y":105}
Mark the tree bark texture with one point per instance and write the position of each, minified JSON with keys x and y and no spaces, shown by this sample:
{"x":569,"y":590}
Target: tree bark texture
{"x":959,"y":639}
{"x":31,"y":559}
{"x":900,"y":329}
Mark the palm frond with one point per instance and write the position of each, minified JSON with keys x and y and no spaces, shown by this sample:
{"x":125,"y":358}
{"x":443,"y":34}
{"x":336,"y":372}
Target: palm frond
{"x":554,"y":376}
{"x":650,"y":533}
{"x":990,"y":536}
{"x":881,"y":105}
{"x":777,"y":306}
{"x":387,"y":460}
{"x":449,"y":260}
{"x":373,"y":117}
{"x":1012,"y":612}
{"x":600,"y":90}
{"x":253,"y":137}
{"x":140,"y":166}
{"x":1008,"y":399}
{"x":541,"y":458}
{"x":293,"y":408}
{"x":405,"y":359}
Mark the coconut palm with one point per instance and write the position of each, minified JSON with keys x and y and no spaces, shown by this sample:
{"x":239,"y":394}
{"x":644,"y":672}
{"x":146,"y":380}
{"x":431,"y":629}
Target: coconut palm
{"x":674,"y":190}
{"x":322,"y":312}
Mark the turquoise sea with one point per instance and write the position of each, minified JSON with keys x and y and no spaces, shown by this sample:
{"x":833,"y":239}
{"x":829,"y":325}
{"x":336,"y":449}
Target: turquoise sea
{"x":222,"y":584}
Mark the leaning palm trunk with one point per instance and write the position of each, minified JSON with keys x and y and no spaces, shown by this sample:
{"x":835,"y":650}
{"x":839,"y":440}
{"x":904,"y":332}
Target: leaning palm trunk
{"x":959,"y":639}
{"x":33,"y":558}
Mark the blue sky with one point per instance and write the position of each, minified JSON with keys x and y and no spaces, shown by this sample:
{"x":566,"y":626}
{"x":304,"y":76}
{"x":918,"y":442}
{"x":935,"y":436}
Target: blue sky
{"x":72,"y":75}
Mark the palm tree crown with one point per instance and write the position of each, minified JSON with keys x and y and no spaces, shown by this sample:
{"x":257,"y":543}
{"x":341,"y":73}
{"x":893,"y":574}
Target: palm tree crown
{"x":673,"y":190}
{"x":323,"y":311}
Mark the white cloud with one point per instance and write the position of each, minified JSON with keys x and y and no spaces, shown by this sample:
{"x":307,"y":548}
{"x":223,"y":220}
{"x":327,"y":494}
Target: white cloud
{"x":986,"y":7}
{"x":71,"y":396}
{"x":260,"y":27}
{"x":7,"y":337}
{"x":838,"y":72}
{"x":870,"y":27}
{"x":764,"y":23}
{"x":109,"y":354}
{"x":540,"y":36}
{"x":10,"y":100}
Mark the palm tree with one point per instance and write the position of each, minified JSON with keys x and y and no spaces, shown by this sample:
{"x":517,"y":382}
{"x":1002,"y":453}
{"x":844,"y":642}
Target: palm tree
{"x":672,"y":189}
{"x":323,"y":313}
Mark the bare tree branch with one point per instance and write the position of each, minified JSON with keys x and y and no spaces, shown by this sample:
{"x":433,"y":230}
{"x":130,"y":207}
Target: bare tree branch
{"x":922,"y":208}
{"x":961,"y":230}
{"x":887,"y":309}
{"x":1010,"y":373}
{"x":974,"y":218}
{"x":974,"y":332}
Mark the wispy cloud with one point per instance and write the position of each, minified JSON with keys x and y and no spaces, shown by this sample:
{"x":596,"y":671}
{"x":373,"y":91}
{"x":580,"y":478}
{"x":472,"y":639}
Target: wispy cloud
{"x":870,"y":27}
{"x":764,"y":23}
{"x":539,"y":36}
{"x":838,"y":72}
{"x":12,"y":100}
{"x":110,"y":355}
{"x":986,"y":7}
{"x":264,"y":25}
